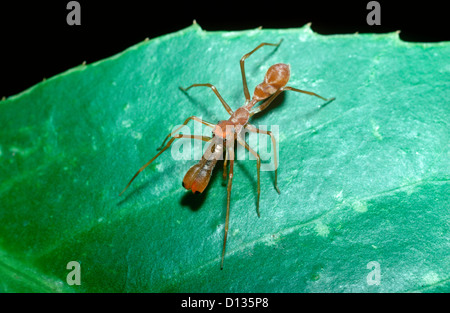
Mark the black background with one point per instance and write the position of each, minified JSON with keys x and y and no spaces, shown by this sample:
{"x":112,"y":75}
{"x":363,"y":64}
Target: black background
{"x":36,"y":42}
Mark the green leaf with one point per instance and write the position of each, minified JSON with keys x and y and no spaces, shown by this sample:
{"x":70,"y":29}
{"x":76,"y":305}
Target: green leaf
{"x":362,"y":179}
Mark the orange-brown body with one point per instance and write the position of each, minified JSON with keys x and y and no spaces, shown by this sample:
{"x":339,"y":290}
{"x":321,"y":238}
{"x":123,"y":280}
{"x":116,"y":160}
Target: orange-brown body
{"x":198,"y":176}
{"x":225,"y":133}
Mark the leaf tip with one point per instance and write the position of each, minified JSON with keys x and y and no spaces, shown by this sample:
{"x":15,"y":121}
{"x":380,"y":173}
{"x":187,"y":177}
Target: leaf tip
{"x":195,"y":25}
{"x":307,"y":28}
{"x":395,"y":35}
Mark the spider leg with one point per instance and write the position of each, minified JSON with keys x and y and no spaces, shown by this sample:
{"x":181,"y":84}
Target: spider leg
{"x":266,"y":103}
{"x":227,"y":218}
{"x":274,"y":148}
{"x":258,"y":166}
{"x":308,"y":93}
{"x":195,"y":118}
{"x":244,"y":80}
{"x":214,"y":89}
{"x":204,"y":138}
{"x":225,"y":165}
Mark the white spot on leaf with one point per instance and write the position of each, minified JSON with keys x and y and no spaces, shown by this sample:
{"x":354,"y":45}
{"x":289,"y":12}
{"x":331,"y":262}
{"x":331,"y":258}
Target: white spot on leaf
{"x":359,"y":206}
{"x":339,"y":196}
{"x":127,"y":123}
{"x":136,"y":135}
{"x":322,"y":229}
{"x":431,"y":278}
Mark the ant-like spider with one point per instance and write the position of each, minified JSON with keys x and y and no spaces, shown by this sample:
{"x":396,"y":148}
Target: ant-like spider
{"x":226,"y":132}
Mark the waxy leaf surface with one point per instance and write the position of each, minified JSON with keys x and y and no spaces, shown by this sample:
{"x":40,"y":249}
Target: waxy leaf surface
{"x":364,"y":180}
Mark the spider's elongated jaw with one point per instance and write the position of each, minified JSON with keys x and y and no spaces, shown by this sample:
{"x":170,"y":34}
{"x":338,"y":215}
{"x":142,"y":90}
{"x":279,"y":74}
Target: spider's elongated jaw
{"x":198,"y":176}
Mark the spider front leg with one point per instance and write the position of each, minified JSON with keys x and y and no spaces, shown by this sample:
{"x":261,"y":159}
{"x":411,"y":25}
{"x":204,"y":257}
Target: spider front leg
{"x":204,"y":138}
{"x":214,"y":89}
{"x":195,"y":118}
